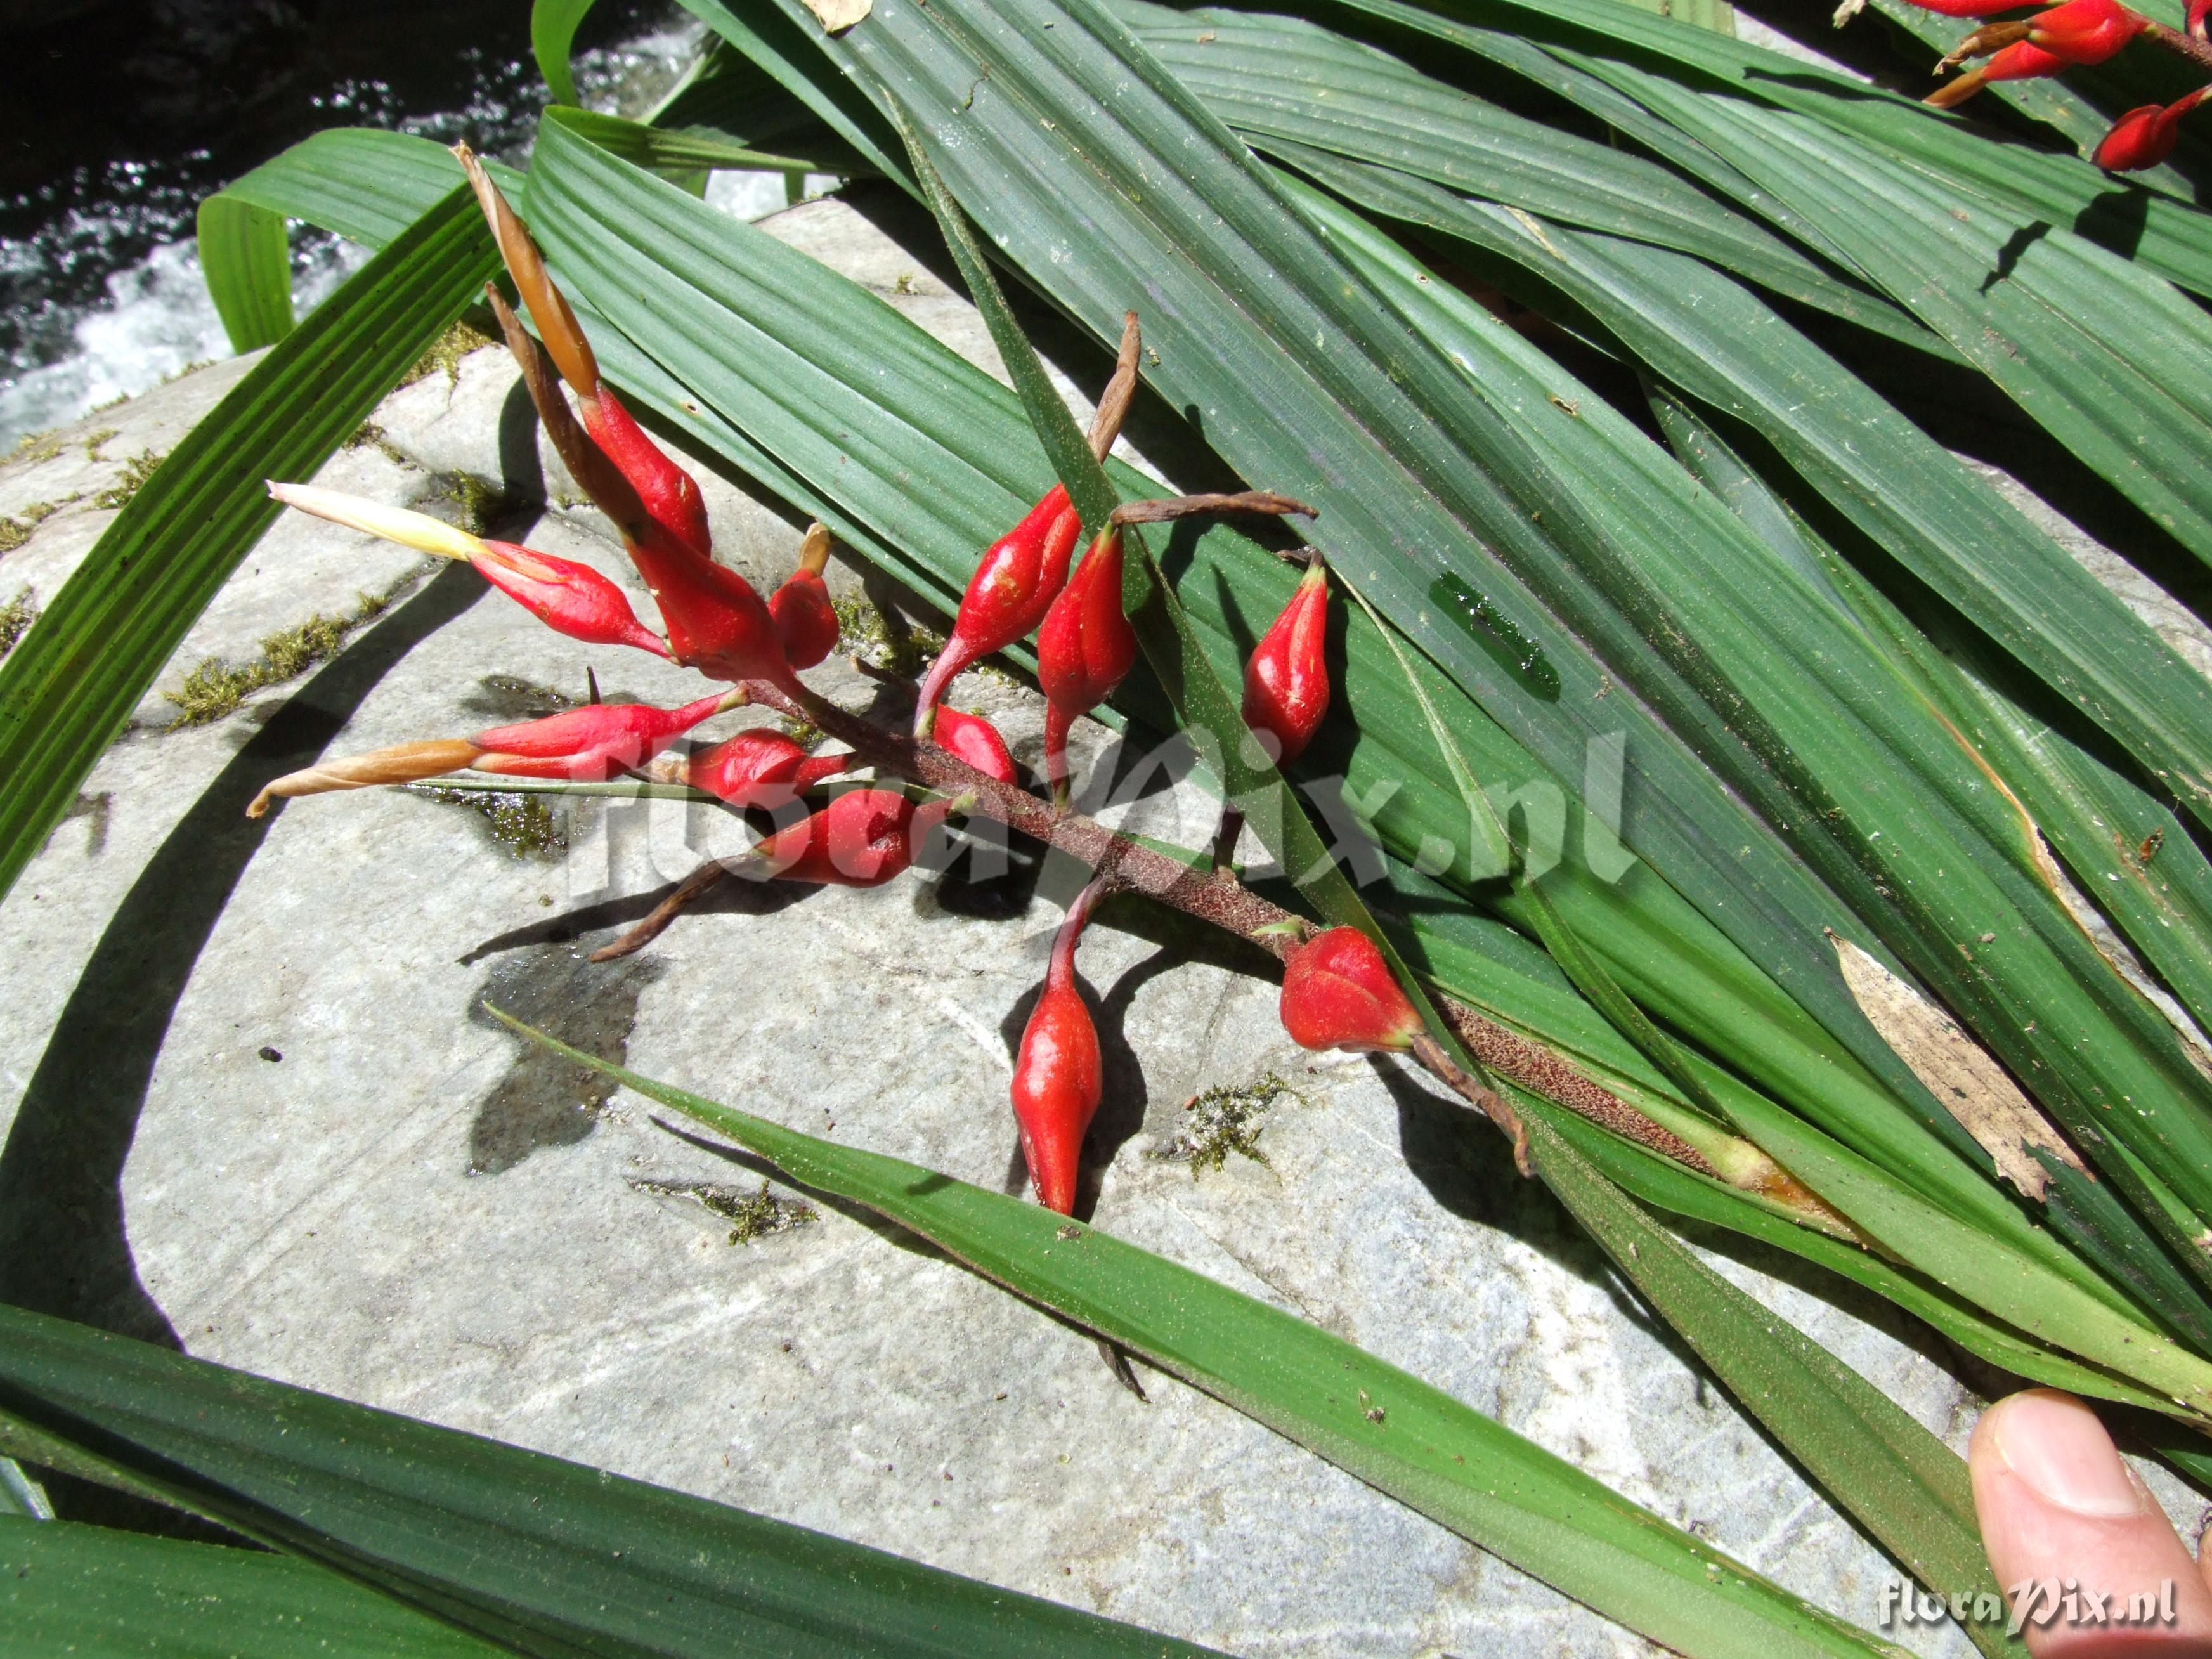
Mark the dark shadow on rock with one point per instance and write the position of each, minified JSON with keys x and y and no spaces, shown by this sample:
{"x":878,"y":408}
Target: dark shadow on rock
{"x":545,"y":1100}
{"x":64,"y":1246}
{"x":1466,"y":1165}
{"x":986,"y":877}
{"x":737,"y":896}
{"x":521,"y":470}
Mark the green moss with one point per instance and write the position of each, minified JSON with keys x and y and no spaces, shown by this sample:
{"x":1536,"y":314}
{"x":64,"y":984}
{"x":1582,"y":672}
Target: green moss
{"x":891,"y":642}
{"x":135,"y":471}
{"x":455,"y":343}
{"x":522,"y":823}
{"x":15,"y":532}
{"x":369,"y":435}
{"x":477,"y":501}
{"x":33,"y":447}
{"x":216,"y":689}
{"x":16,"y":616}
{"x":1224,"y":1119}
{"x":93,"y":441}
{"x":804,"y":733}
{"x":752,"y":1215}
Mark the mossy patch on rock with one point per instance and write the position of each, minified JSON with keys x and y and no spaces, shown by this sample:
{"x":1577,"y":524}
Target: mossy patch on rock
{"x":135,"y":471}
{"x":520,"y":821}
{"x":16,"y":617}
{"x":751,"y":1215}
{"x":1226,"y":1119}
{"x":891,"y":643}
{"x":15,"y":532}
{"x":455,"y":343}
{"x":216,"y":689}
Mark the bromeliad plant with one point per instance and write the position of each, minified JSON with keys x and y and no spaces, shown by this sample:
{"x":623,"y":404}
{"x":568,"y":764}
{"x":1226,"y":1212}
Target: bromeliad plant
{"x":1886,"y":938}
{"x":867,"y":835}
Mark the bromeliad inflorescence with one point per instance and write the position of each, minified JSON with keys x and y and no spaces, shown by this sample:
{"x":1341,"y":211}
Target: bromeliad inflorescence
{"x":1339,"y":991}
{"x":2072,"y":33}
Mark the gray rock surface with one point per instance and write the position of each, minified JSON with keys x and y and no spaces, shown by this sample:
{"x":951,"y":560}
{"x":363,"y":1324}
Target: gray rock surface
{"x":408,"y":1209}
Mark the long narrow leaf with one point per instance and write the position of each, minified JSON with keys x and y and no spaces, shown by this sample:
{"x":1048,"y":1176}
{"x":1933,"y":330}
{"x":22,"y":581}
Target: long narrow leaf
{"x":1407,"y":1439}
{"x":66,"y":690}
{"x":534,"y":1553}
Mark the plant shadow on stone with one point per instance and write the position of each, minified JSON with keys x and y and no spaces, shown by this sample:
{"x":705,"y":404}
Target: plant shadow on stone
{"x":544,"y":1100}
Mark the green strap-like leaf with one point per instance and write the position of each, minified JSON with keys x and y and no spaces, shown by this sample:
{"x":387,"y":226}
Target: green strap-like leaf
{"x":67,"y":688}
{"x":1409,"y":1440}
{"x":553,"y":26}
{"x":246,"y":257}
{"x":68,"y":1591}
{"x":535,"y":1553}
{"x":856,"y":401}
{"x":1284,"y":78}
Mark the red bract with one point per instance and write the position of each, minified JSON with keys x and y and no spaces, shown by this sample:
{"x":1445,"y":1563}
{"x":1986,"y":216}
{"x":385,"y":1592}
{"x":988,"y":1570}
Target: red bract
{"x":2078,"y":32}
{"x":806,"y":621}
{"x":1057,"y":1079}
{"x":977,"y":741}
{"x":592,"y":744}
{"x":669,"y":494}
{"x":2197,"y":10}
{"x":1339,"y":993}
{"x":861,"y":839}
{"x":568,"y":598}
{"x":2143,"y":138}
{"x":716,"y":622}
{"x":2083,"y":31}
{"x":1086,"y":648}
{"x":760,"y":767}
{"x":1014,"y":583}
{"x":1969,"y":8}
{"x":1287,"y":689}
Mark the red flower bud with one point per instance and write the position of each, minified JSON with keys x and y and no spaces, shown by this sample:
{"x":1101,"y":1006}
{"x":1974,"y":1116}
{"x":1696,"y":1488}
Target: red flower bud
{"x":977,"y":741}
{"x":2143,"y":138}
{"x":1057,"y":1079}
{"x":2082,"y":32}
{"x":861,"y":839}
{"x":1286,"y":689}
{"x":716,"y":622}
{"x":670,"y":495}
{"x":568,"y":598}
{"x":2197,"y":10}
{"x":592,"y":744}
{"x":806,"y":621}
{"x":2078,"y":32}
{"x":1015,"y":581}
{"x":1339,"y":993}
{"x":760,"y":767}
{"x":1085,"y":646}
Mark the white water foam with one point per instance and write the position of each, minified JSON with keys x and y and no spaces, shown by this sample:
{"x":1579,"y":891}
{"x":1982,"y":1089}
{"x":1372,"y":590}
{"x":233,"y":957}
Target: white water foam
{"x":156,"y":319}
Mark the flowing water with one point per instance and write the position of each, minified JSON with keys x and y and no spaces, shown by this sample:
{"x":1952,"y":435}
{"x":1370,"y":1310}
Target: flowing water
{"x":134,"y":110}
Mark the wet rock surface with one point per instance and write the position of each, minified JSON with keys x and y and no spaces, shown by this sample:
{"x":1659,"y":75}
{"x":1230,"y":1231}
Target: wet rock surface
{"x":254,"y":1109}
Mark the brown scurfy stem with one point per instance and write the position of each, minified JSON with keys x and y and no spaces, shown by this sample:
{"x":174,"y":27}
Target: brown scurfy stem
{"x":2198,"y":52}
{"x":1165,"y":508}
{"x":1211,"y":895}
{"x":1489,"y":1101}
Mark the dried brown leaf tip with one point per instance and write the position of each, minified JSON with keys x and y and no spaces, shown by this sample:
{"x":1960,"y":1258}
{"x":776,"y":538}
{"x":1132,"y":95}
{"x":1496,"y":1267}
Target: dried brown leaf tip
{"x":1972,"y":1087}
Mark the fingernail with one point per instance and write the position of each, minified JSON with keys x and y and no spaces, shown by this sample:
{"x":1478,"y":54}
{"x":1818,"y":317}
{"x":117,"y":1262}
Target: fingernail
{"x":2057,"y":1445}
